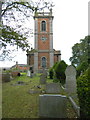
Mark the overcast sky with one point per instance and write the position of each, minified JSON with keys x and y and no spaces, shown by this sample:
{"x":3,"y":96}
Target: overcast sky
{"x":70,"y":24}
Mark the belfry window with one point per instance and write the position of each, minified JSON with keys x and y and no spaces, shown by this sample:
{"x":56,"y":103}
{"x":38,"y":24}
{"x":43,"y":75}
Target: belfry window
{"x":43,"y":26}
{"x":43,"y":62}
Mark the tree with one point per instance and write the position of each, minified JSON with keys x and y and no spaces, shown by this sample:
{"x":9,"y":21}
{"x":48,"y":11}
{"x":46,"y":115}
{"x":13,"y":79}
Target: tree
{"x":16,"y":11}
{"x":80,"y":52}
{"x":81,"y":57}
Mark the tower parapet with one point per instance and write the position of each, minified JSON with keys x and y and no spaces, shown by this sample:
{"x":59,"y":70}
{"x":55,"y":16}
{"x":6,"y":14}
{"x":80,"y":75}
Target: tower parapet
{"x":43,"y":14}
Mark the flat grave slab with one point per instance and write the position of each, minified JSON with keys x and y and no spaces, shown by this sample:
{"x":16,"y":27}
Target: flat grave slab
{"x":52,"y":106}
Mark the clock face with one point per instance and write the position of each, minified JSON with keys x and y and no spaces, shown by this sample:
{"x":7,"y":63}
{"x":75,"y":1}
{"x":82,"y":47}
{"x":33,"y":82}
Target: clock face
{"x":43,"y":38}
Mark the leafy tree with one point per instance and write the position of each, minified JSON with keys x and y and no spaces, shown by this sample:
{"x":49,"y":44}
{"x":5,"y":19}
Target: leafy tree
{"x":80,"y":55}
{"x":80,"y":59}
{"x":81,"y":68}
{"x":16,"y":12}
{"x":80,"y":52}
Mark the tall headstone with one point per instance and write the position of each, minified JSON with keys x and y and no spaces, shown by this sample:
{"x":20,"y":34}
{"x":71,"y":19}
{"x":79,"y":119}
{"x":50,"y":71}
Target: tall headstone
{"x":28,"y":73}
{"x":44,"y":72}
{"x":70,"y":73}
{"x":52,"y":88}
{"x":42,"y":79}
{"x":52,"y":106}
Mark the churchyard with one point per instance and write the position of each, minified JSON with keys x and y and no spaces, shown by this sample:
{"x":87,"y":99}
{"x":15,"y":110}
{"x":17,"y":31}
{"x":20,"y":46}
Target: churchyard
{"x":37,"y":97}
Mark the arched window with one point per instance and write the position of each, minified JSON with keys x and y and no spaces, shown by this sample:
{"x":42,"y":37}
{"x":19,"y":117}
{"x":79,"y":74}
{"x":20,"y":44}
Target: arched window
{"x":43,"y":62}
{"x":43,"y":26}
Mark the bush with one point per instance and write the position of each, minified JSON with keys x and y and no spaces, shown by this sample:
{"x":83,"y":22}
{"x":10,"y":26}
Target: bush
{"x":51,"y":73}
{"x":60,"y":71}
{"x":83,"y":90}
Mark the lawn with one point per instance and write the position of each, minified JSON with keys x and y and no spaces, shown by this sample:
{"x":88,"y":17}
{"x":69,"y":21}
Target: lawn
{"x":17,"y":102}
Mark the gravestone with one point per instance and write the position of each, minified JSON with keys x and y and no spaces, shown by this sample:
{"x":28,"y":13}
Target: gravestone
{"x":52,"y":106}
{"x":42,"y":79}
{"x":52,"y":88}
{"x":70,"y":73}
{"x":45,"y":73}
{"x":5,"y":77}
{"x":15,"y":73}
{"x":32,"y":91}
{"x":28,"y":73}
{"x":31,"y":72}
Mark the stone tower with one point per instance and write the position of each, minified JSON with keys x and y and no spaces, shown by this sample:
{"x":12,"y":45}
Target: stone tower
{"x":43,"y":55}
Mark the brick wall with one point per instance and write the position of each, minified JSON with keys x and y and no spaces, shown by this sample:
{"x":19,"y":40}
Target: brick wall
{"x":40,"y":55}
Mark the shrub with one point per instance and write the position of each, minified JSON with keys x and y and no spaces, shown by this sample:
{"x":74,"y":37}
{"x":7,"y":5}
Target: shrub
{"x":83,"y":90}
{"x":51,"y":73}
{"x":60,"y":71}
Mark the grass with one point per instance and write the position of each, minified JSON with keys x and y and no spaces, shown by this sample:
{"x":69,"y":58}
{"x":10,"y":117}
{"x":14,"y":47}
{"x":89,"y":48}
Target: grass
{"x":17,"y":102}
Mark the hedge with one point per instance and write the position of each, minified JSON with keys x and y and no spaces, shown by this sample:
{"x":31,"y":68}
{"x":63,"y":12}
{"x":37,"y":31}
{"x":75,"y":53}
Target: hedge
{"x":83,"y":90}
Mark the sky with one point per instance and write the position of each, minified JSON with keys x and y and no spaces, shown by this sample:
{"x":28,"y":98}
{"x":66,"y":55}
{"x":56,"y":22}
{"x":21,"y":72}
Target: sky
{"x":70,"y":24}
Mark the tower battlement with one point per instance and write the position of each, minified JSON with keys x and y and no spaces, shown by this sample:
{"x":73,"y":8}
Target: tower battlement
{"x":43,"y":14}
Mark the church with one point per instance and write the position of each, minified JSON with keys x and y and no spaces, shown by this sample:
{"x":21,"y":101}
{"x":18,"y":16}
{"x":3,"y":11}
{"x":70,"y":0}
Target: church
{"x":43,"y":55}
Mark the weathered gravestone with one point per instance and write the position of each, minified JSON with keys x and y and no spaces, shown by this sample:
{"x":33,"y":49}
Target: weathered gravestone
{"x":42,"y":79}
{"x":70,"y":73}
{"x":52,"y":106}
{"x":44,"y":72}
{"x":28,"y":73}
{"x":5,"y":77}
{"x":15,"y":73}
{"x":52,"y":88}
{"x":32,"y":91}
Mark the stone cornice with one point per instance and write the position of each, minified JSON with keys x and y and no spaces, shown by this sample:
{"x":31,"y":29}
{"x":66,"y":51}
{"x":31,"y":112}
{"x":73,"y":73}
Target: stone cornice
{"x":40,"y":33}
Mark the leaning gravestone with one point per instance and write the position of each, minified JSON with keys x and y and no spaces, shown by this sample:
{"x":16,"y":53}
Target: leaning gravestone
{"x":70,"y":73}
{"x":42,"y":79}
{"x":52,"y":106}
{"x":52,"y":88}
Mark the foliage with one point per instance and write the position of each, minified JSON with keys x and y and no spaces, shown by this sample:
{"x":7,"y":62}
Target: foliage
{"x":81,"y":55}
{"x":81,"y":68}
{"x":60,"y":71}
{"x":83,"y":90}
{"x":14,"y":32}
{"x":51,"y":73}
{"x":80,"y":51}
{"x":55,"y":65}
{"x":13,"y":38}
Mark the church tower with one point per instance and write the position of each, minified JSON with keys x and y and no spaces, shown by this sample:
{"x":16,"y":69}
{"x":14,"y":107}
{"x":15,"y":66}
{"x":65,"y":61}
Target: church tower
{"x":43,"y":55}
